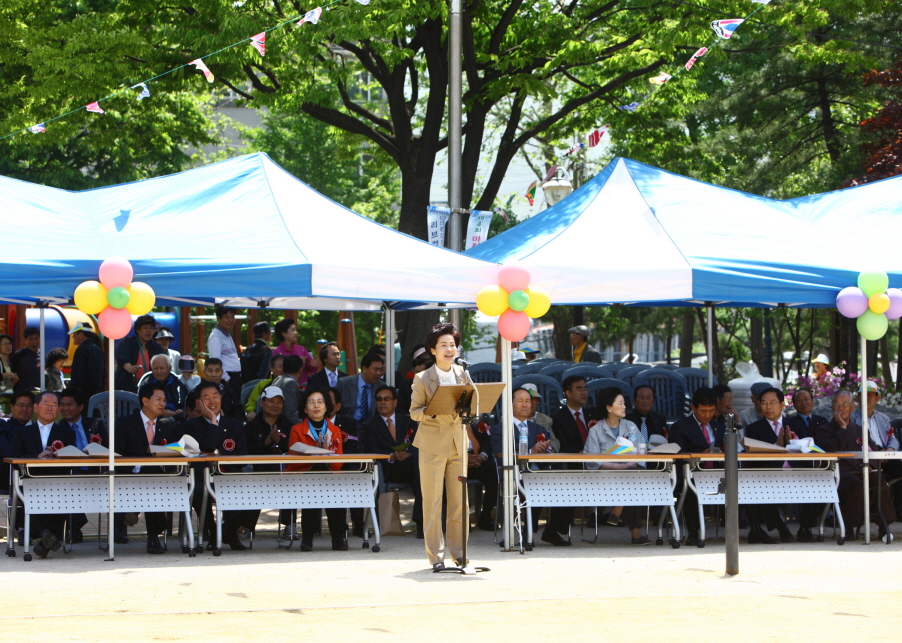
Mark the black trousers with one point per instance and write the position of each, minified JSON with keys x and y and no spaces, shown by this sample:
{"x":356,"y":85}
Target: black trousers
{"x":311,"y":520}
{"x":235,"y":383}
{"x":487,"y":474}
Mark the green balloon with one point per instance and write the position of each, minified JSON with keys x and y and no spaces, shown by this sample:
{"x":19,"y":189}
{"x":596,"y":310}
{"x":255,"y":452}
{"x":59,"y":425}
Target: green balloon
{"x":118,"y":297}
{"x":518,"y":301}
{"x":873,"y":282}
{"x":872,"y":326}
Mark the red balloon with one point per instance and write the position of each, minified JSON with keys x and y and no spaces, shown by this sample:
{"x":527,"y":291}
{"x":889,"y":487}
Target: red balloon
{"x":513,"y":326}
{"x":116,"y":271}
{"x":114,"y":323}
{"x":513,"y":278}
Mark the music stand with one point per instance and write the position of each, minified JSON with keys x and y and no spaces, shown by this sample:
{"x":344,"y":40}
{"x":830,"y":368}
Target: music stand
{"x":468,"y":401}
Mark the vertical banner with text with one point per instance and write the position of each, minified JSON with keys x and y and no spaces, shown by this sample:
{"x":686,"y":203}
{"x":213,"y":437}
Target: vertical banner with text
{"x":437,"y":217}
{"x":478,"y":227}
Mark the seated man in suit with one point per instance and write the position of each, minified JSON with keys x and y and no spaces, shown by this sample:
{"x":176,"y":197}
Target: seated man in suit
{"x":649,"y":421}
{"x":357,"y":391}
{"x":841,"y":434}
{"x":725,"y":408}
{"x":328,"y":377}
{"x":230,"y":400}
{"x":774,"y":429}
{"x":570,"y":426}
{"x":134,"y":435}
{"x":697,"y":433}
{"x":214,"y":431}
{"x":384,"y":432}
{"x":21,"y":412}
{"x":40,"y":440}
{"x":804,"y":423}
{"x":537,"y":442}
{"x":86,"y":430}
{"x":540,"y":418}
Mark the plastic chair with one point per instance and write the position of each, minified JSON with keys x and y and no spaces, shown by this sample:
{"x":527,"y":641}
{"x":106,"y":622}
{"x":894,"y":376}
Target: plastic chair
{"x":247,"y":389}
{"x":628,"y":375}
{"x":604,"y":382}
{"x":556,"y":370}
{"x":696,"y":378}
{"x":531,"y":368}
{"x":667,"y":367}
{"x":604,"y":372}
{"x":588,"y":371}
{"x":545,"y":360}
{"x":670,"y":391}
{"x":126,"y":404}
{"x":485,"y":372}
{"x":548,"y":388}
{"x":616,"y":367}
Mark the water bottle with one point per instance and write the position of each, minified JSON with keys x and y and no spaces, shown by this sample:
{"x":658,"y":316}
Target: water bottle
{"x":636,"y":438}
{"x":523,"y":440}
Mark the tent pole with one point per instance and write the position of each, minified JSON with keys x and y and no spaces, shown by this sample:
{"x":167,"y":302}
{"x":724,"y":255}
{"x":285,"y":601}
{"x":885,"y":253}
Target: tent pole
{"x":710,"y":306}
{"x":42,"y":305}
{"x":866,"y":478}
{"x":390,"y":366}
{"x":111,"y":421}
{"x":455,"y":124}
{"x":509,"y":491}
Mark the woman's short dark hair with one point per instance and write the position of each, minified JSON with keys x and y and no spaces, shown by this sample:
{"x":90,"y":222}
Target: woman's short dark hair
{"x":282,"y":327}
{"x":2,"y":337}
{"x":437,"y":331}
{"x":326,"y":398}
{"x":55,"y":355}
{"x":606,"y":397}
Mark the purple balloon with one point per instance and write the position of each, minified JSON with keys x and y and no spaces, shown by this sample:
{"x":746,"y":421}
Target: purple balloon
{"x":895,"y":303}
{"x":851,"y":302}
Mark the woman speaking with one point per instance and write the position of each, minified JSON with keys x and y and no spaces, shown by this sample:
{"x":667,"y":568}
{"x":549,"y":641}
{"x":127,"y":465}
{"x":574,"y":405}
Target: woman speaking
{"x":442,"y":449}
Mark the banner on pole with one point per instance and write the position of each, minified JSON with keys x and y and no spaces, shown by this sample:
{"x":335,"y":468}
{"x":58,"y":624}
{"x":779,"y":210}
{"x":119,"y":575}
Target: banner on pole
{"x":437,"y":217}
{"x":478,"y":227}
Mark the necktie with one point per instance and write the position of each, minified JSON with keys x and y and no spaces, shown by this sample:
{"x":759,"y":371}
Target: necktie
{"x":644,"y":430}
{"x":365,"y":401}
{"x":149,"y":431}
{"x":807,"y":422}
{"x":707,"y":435}
{"x":333,"y":378}
{"x":776,"y":428}
{"x":581,"y":426}
{"x":391,"y":429}
{"x":80,"y":439}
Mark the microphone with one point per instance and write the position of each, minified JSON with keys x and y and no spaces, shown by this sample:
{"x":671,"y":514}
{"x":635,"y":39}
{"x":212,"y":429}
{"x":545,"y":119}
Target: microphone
{"x":460,"y":361}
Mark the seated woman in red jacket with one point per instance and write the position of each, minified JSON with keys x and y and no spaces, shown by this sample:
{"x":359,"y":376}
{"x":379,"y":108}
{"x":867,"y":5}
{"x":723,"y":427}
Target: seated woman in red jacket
{"x":316,"y":430}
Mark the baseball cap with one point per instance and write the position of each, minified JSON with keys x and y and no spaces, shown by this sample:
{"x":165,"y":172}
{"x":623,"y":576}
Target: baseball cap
{"x":163,"y":333}
{"x":270,"y":392}
{"x":872,"y":387}
{"x":580,"y":330}
{"x":529,"y":350}
{"x":533,"y":391}
{"x":821,"y":358}
{"x":80,"y":327}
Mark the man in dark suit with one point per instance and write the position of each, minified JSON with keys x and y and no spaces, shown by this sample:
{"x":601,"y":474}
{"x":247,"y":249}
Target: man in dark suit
{"x":697,"y":433}
{"x":650,"y":422}
{"x":357,"y":391}
{"x":385,"y":431}
{"x":134,"y":435}
{"x":215,"y":431}
{"x":582,"y":351}
{"x":21,"y":412}
{"x":330,"y":356}
{"x":804,"y":424}
{"x":230,"y":400}
{"x":88,"y":363}
{"x":571,"y":427}
{"x":39,"y":440}
{"x":773,"y":428}
{"x":725,"y":408}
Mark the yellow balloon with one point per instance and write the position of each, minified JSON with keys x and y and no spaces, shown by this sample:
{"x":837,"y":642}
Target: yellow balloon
{"x":879,"y":303}
{"x":90,"y":297}
{"x":492,"y":300}
{"x":539,"y":302}
{"x":141,"y":298}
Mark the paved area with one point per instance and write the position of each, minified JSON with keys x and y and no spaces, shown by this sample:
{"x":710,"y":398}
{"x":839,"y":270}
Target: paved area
{"x":600,"y":591}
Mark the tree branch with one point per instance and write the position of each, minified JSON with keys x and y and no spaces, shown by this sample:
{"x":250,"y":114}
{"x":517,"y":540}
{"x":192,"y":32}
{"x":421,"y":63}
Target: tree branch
{"x":362,"y":111}
{"x":354,"y":126}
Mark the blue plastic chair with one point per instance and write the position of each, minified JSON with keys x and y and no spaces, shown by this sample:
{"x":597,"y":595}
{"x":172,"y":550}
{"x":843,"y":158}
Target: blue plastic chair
{"x":588,"y":371}
{"x":485,"y":372}
{"x":670,"y":391}
{"x":696,"y":378}
{"x":628,"y":375}
{"x":126,"y":404}
{"x":556,"y":370}
{"x":616,"y":367}
{"x":531,"y":367}
{"x":667,"y":367}
{"x":596,"y":385}
{"x":548,"y":387}
{"x":545,"y":360}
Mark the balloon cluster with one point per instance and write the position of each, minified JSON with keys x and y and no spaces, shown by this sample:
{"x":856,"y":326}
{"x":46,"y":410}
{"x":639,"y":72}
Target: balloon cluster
{"x":514,"y":300}
{"x":871,"y":303}
{"x":115,"y":298}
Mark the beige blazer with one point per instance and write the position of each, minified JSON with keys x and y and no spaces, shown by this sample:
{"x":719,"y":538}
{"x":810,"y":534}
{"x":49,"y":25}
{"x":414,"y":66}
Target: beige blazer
{"x":439,"y":435}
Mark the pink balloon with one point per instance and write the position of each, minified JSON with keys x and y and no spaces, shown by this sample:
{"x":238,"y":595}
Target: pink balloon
{"x":513,"y":326}
{"x":851,"y":302}
{"x":114,"y":323}
{"x":513,"y":278}
{"x":116,"y":271}
{"x":895,"y":303}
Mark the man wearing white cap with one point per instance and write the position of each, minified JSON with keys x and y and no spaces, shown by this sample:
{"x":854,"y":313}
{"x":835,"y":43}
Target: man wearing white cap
{"x":540,"y":418}
{"x":164,"y":338}
{"x":582,"y":351}
{"x":530,"y":352}
{"x":878,"y":423}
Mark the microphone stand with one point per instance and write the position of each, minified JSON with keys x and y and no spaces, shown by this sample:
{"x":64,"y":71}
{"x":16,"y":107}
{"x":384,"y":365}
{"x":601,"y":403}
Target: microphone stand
{"x":463,"y":409}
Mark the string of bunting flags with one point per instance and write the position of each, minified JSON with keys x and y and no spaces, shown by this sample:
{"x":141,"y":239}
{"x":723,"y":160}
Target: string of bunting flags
{"x":257,"y":41}
{"x":723,"y":30}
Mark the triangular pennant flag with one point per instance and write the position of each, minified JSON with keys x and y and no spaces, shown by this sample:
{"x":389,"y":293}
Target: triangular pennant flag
{"x":632,"y":107}
{"x":595,"y":137}
{"x":551,"y":172}
{"x":37,"y":129}
{"x":202,"y":67}
{"x":660,"y":79}
{"x":698,"y":54}
{"x":758,"y":1}
{"x":575,"y":148}
{"x":366,"y":2}
{"x":94,"y":107}
{"x":531,"y":192}
{"x":145,"y":93}
{"x":725,"y":28}
{"x":311,"y":16}
{"x":258,"y":42}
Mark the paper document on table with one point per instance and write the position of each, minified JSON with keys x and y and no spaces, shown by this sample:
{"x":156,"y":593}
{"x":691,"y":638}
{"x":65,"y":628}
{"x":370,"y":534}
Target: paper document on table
{"x":306,"y":449}
{"x":804,"y":445}
{"x":186,"y":446}
{"x":70,"y":452}
{"x":97,"y":450}
{"x":670,"y":447}
{"x":757,"y":446}
{"x":621,"y":446}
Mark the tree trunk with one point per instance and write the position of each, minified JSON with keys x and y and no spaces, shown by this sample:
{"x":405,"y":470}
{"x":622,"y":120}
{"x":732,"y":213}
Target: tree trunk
{"x":845,"y":342}
{"x":687,"y":338}
{"x":756,"y":339}
{"x":412,"y":327}
{"x":562,"y":317}
{"x":884,"y":362}
{"x":872,"y":359}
